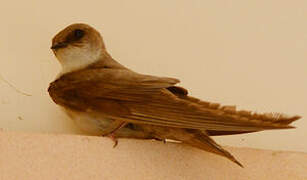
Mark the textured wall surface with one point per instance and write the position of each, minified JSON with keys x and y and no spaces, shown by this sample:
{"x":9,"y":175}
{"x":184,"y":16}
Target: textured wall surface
{"x":37,"y":156}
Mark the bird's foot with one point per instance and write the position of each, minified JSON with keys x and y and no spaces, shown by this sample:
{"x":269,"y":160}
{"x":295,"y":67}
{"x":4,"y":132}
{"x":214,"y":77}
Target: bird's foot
{"x":113,"y":138}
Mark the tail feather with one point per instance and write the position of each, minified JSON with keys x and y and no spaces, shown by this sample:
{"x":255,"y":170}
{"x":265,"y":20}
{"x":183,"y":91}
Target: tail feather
{"x":250,"y":121}
{"x":204,"y":142}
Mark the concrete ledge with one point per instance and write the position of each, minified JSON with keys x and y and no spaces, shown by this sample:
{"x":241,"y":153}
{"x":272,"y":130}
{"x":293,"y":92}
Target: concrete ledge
{"x":49,"y":156}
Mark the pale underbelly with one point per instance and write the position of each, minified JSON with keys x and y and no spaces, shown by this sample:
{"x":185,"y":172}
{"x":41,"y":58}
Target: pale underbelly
{"x":96,"y":124}
{"x":89,"y":122}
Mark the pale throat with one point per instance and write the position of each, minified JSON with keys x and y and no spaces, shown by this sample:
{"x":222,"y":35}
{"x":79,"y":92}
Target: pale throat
{"x":75,"y":58}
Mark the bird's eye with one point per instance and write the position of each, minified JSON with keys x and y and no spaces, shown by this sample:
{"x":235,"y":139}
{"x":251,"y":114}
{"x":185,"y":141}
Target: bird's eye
{"x":78,"y":33}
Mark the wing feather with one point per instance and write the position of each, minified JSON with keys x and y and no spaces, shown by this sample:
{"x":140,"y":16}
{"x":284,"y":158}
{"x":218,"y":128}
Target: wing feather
{"x":144,"y":99}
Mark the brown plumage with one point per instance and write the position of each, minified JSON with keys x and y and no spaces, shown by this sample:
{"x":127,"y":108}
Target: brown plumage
{"x":106,"y":98}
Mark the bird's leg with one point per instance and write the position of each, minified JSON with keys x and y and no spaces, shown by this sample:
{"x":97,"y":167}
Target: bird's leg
{"x":111,"y":130}
{"x":114,"y":139}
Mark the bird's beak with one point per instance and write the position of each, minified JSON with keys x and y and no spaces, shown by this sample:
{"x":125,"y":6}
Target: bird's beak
{"x":59,"y":45}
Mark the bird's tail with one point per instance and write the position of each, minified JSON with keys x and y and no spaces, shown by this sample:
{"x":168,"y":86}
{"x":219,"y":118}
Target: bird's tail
{"x":204,"y":142}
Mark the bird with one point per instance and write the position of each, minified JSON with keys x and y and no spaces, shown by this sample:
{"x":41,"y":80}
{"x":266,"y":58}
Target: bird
{"x":105,"y":98}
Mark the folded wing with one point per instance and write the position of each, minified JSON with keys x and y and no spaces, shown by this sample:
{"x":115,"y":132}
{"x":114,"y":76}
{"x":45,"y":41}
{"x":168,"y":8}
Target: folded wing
{"x":144,"y":99}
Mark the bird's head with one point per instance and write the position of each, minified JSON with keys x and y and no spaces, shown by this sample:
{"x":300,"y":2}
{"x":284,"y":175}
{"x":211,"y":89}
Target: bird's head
{"x":77,"y":46}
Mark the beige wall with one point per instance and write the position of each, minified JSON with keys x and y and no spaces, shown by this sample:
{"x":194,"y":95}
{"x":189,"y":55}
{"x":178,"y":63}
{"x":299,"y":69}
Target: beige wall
{"x":43,"y":157}
{"x":248,"y":53}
